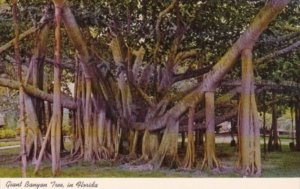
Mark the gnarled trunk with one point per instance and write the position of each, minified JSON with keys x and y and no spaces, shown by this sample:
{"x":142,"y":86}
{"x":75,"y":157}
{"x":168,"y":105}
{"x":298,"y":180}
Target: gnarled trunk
{"x":167,"y":152}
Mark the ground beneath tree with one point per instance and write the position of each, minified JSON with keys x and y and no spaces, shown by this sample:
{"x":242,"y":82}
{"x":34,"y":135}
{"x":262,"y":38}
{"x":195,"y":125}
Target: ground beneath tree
{"x":276,"y":164}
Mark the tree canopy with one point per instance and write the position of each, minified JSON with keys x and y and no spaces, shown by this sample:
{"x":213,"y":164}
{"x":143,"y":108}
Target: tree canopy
{"x":135,"y":74}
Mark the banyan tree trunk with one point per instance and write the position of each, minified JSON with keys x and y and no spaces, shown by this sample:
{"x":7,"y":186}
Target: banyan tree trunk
{"x":210,"y":160}
{"x":56,"y":118}
{"x":248,"y":124}
{"x":167,"y":152}
{"x":21,"y":121}
{"x":37,"y":72}
{"x":273,"y":144}
{"x":34,"y":135}
{"x":150,"y":145}
{"x":35,"y":108}
{"x":77,"y":127}
{"x":189,"y":160}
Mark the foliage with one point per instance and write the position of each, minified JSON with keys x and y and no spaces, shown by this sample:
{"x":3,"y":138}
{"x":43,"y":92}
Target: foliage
{"x":7,"y":133}
{"x":207,"y":27}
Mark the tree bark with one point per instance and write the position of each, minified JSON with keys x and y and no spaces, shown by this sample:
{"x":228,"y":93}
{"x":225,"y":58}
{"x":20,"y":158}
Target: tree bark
{"x":189,"y":160}
{"x":248,"y":124}
{"x":67,"y":101}
{"x":21,"y":90}
{"x":56,"y":116}
{"x":210,"y":160}
{"x":167,"y":152}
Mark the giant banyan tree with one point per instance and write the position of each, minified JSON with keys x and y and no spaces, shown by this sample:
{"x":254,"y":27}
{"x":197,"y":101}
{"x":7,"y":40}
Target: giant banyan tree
{"x":146,"y":72}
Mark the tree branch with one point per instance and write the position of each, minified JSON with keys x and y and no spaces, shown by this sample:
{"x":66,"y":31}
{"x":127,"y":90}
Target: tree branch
{"x":279,"y":39}
{"x":271,"y":85}
{"x":157,"y":25}
{"x":43,"y":21}
{"x":67,"y":101}
{"x":22,"y":36}
{"x":184,"y":55}
{"x":279,"y":52}
{"x":192,"y":73}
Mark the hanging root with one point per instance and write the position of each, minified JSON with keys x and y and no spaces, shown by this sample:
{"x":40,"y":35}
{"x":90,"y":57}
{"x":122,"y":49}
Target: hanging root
{"x":133,"y":144}
{"x":189,"y":159}
{"x":210,"y":163}
{"x":150,"y":146}
{"x":210,"y":160}
{"x":167,"y":152}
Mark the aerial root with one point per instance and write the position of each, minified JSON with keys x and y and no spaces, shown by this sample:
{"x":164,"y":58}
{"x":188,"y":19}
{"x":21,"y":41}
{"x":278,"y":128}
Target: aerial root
{"x":212,"y":164}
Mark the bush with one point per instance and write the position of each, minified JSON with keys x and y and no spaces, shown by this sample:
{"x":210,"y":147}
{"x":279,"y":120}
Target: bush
{"x":7,"y":133}
{"x":67,"y":130}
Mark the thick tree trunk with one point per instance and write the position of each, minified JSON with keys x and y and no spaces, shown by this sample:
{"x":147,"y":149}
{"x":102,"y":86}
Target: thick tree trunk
{"x":249,"y":138}
{"x":167,"y":152}
{"x":88,"y":149}
{"x":34,"y":106}
{"x":34,"y":135}
{"x":210,"y":160}
{"x":77,"y":148}
{"x":189,"y":160}
{"x":56,"y":116}
{"x":38,"y":73}
{"x":150,"y":145}
{"x":21,"y":90}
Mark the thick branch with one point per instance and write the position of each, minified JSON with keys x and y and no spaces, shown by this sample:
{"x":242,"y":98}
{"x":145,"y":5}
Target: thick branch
{"x":67,"y":102}
{"x":28,"y":32}
{"x":22,"y":36}
{"x":185,"y":54}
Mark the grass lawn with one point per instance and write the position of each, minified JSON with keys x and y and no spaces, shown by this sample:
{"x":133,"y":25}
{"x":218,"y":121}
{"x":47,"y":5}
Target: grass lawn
{"x":9,"y":143}
{"x":276,"y":164}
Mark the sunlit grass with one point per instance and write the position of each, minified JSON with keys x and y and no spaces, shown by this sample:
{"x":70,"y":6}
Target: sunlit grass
{"x":277,"y":164}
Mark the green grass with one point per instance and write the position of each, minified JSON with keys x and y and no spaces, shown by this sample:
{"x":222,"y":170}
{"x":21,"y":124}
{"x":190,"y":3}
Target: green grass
{"x":9,"y":143}
{"x":282,"y":164}
{"x":277,"y":164}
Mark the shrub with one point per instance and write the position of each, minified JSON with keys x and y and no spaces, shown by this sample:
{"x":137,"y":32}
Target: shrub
{"x":67,"y":130}
{"x":7,"y":133}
